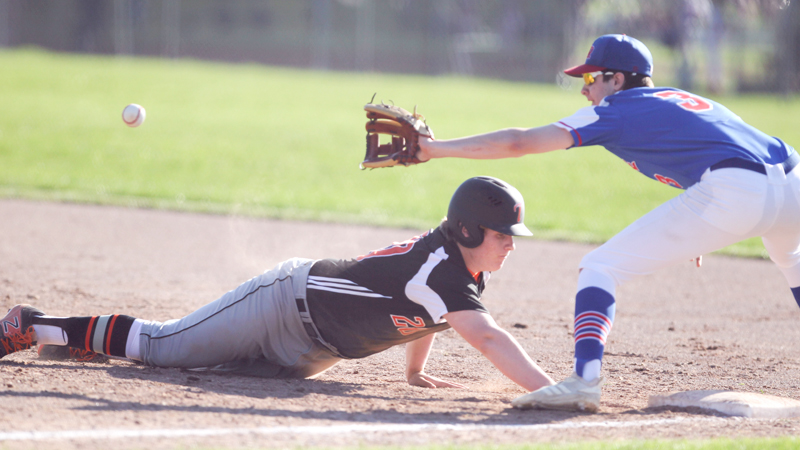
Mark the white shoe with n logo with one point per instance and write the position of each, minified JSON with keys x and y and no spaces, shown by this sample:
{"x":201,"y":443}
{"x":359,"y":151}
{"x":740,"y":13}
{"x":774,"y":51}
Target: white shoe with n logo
{"x":572,"y":394}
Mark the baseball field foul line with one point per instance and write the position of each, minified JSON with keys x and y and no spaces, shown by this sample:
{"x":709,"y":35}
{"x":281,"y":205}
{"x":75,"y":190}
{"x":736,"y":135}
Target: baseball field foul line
{"x":327,"y":429}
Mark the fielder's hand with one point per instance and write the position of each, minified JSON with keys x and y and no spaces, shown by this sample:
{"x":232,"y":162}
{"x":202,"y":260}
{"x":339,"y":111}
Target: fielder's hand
{"x":422,"y":379}
{"x":423,"y":154}
{"x":406,"y":130}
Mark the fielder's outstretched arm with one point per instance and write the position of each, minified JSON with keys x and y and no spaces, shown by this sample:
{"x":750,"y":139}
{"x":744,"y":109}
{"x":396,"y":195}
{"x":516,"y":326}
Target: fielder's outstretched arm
{"x":507,"y":143}
{"x":416,"y":356}
{"x":482,"y":332}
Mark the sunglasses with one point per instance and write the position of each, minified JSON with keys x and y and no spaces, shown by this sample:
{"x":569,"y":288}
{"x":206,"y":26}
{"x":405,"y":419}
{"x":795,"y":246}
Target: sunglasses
{"x":590,"y":77}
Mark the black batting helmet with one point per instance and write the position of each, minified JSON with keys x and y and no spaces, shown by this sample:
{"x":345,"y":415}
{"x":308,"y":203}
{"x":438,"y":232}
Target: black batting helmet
{"x":485,"y":202}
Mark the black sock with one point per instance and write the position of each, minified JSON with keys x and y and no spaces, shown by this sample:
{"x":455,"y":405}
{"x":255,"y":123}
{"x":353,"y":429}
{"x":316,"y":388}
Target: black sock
{"x":101,"y":334}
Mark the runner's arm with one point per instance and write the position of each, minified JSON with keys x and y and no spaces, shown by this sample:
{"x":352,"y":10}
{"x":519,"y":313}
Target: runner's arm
{"x":416,"y":356}
{"x":482,"y":332}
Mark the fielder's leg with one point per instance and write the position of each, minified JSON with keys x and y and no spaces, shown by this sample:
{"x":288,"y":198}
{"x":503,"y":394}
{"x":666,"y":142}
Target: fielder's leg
{"x":782,"y":240}
{"x":726,"y":208}
{"x":594,"y":315}
{"x":786,"y":262}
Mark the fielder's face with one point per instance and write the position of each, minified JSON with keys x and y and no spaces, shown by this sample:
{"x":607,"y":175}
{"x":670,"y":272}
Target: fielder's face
{"x":602,"y":87}
{"x":491,"y":254}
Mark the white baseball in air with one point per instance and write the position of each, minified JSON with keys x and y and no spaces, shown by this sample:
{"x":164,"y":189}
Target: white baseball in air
{"x":133,"y":115}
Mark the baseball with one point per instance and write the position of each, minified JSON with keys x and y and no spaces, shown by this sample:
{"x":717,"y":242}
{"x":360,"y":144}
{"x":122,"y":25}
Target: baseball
{"x":133,"y":115}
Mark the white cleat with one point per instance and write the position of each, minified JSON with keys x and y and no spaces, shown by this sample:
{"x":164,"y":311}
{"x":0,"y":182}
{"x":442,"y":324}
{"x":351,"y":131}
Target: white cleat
{"x":572,"y":394}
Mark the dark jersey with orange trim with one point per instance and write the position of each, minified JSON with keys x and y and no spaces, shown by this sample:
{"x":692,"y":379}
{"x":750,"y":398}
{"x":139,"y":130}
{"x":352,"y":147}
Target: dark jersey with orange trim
{"x":391,"y":296}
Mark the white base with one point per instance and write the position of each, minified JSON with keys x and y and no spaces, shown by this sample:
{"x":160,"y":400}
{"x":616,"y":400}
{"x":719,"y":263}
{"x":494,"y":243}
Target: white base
{"x":742,"y":404}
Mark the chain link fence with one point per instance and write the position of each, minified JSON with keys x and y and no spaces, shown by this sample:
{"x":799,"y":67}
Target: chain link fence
{"x":712,"y":45}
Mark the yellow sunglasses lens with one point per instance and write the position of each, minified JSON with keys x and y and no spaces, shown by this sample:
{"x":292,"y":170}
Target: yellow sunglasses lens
{"x":588,"y":78}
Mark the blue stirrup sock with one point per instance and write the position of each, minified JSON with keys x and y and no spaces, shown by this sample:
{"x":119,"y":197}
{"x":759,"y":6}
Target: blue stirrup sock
{"x":796,"y":293}
{"x":594,"y":315}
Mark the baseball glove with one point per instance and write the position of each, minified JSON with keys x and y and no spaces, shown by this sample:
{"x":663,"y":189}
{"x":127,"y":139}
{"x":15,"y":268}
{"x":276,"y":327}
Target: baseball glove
{"x":404,"y":127}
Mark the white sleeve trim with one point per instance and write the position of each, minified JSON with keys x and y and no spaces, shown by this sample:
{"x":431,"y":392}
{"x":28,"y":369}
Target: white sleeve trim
{"x":581,"y":118}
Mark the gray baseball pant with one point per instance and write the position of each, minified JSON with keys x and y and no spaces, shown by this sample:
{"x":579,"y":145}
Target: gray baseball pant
{"x":253,"y":330}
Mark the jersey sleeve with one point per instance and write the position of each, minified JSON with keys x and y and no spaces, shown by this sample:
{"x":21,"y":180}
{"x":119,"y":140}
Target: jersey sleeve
{"x":593,"y":125}
{"x":465,"y":298}
{"x":453,"y":292}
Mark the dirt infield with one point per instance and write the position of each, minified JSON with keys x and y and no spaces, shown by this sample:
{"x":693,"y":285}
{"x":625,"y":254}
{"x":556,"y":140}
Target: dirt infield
{"x":731,"y":325}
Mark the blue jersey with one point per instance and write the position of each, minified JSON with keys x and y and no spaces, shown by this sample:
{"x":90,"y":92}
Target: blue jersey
{"x":670,"y":135}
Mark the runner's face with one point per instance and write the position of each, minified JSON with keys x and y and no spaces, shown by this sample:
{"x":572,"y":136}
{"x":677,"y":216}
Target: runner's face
{"x":491,"y":254}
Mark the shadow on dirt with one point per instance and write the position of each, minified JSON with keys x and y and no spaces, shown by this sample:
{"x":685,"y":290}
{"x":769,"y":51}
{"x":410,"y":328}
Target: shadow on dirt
{"x":508,"y":417}
{"x":191,"y":385}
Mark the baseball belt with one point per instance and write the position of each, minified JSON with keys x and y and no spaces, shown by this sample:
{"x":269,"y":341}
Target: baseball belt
{"x":790,"y":163}
{"x":312,"y":330}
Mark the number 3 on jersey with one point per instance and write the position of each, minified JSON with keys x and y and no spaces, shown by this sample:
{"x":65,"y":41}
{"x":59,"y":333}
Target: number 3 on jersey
{"x":690,"y":102}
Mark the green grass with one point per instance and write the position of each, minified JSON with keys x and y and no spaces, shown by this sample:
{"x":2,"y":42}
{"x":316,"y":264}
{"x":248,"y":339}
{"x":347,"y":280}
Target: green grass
{"x":286,"y":143}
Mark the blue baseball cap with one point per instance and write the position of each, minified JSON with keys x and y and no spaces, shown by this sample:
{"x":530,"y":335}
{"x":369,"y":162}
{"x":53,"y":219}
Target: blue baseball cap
{"x":616,"y":52}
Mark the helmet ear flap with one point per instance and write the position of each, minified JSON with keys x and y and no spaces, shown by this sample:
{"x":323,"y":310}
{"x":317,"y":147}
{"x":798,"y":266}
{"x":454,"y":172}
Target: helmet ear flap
{"x":475,"y":237}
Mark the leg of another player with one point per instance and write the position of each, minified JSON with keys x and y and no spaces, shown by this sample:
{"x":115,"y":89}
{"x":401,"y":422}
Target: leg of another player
{"x":670,"y":234}
{"x":594,"y":316}
{"x":786,"y":258}
{"x":782,"y":240}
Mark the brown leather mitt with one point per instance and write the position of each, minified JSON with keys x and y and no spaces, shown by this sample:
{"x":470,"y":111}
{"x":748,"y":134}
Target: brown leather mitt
{"x":405,"y":129}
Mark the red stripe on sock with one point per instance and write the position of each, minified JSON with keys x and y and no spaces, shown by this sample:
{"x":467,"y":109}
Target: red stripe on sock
{"x":89,"y":332}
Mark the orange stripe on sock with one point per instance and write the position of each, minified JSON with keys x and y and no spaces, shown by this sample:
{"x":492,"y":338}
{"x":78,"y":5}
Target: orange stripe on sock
{"x":107,"y":350}
{"x":89,"y":333}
